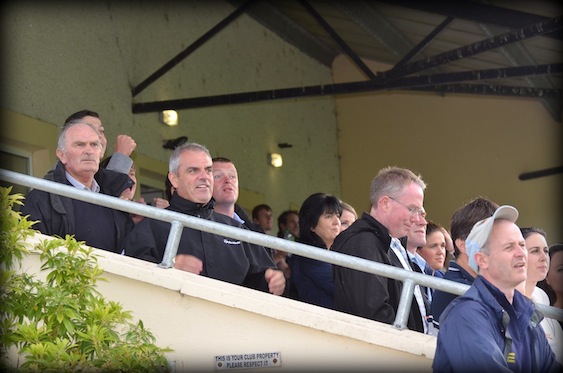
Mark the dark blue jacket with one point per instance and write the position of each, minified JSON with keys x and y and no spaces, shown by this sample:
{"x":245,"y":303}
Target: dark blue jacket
{"x":312,"y":279}
{"x":56,"y":214}
{"x":441,"y":299}
{"x":482,"y":332}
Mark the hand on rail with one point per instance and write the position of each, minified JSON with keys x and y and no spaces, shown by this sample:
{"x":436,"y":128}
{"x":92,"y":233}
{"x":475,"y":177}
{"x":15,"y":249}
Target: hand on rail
{"x":275,"y":280}
{"x":188,"y":263}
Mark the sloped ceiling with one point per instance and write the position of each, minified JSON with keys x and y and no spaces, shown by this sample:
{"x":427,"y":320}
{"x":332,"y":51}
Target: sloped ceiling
{"x":507,"y":48}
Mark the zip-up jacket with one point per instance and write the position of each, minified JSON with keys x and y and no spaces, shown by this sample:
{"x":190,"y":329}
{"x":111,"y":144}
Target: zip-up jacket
{"x":481,"y":331}
{"x":223,"y":258}
{"x":364,"y":294}
{"x":56,"y":214}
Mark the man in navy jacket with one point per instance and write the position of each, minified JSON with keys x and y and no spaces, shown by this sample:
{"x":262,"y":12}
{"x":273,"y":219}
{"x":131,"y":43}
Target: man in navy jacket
{"x":493,"y":327}
{"x":79,"y":149}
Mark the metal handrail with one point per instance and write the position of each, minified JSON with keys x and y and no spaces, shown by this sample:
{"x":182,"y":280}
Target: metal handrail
{"x":179,"y":220}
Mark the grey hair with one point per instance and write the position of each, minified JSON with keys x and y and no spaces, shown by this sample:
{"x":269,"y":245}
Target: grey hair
{"x":61,"y":143}
{"x":174,"y":161}
{"x":391,"y":181}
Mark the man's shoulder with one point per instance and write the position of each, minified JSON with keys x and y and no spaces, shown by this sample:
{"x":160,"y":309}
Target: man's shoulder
{"x":457,"y":274}
{"x":361,"y":231}
{"x":32,"y":200}
{"x":220,"y":218}
{"x":465,"y":308}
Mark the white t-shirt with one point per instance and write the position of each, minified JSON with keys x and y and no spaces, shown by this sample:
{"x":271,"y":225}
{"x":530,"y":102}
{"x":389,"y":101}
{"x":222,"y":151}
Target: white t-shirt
{"x":551,"y":327}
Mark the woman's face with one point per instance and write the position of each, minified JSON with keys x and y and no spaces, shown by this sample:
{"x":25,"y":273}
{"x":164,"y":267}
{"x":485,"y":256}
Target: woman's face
{"x":434,"y":252}
{"x":327,"y":228}
{"x":555,"y":274}
{"x":346,"y":219}
{"x":538,"y":257}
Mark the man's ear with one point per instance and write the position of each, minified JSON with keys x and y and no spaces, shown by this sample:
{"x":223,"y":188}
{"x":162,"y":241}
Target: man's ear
{"x":384,"y":202}
{"x":173,"y":179}
{"x":460,"y":244}
{"x":61,"y":155}
{"x":482,"y":260}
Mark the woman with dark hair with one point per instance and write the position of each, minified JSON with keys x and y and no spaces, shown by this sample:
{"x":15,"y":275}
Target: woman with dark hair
{"x":319,"y":224}
{"x":537,"y":269}
{"x":553,"y":278}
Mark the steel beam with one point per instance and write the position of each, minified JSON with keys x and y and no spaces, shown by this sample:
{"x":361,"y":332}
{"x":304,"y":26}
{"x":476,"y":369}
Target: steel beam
{"x":475,"y":11}
{"x":513,"y":36}
{"x":353,"y":87}
{"x":191,"y":48}
{"x":493,"y":90}
{"x":324,"y":24}
{"x":424,"y":42}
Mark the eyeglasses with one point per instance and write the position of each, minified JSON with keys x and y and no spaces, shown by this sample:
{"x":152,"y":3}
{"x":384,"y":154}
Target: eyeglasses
{"x":413,"y":210}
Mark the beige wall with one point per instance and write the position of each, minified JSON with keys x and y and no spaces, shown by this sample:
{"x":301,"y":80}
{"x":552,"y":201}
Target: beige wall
{"x":60,"y":59}
{"x":463,"y":146}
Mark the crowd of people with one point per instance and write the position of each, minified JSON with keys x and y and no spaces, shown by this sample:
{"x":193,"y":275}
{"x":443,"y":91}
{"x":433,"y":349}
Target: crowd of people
{"x":493,"y":326}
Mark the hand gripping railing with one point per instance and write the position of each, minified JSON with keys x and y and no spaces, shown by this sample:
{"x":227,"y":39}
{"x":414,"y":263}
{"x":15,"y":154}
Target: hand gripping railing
{"x":179,"y":220}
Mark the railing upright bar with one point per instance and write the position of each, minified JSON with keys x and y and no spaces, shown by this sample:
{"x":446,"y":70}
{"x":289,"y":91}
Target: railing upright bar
{"x":401,"y":318}
{"x":172,"y":245}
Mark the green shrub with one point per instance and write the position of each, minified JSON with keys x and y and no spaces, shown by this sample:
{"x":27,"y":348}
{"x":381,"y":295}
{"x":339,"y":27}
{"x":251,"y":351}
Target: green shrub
{"x":63,"y":324}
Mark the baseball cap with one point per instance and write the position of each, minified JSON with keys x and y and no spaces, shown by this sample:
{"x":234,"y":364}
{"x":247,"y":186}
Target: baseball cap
{"x":481,"y":231}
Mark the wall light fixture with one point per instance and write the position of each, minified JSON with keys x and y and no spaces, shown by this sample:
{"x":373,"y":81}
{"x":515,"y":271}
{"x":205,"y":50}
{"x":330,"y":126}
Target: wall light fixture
{"x":276,"y":159}
{"x":169,"y":117}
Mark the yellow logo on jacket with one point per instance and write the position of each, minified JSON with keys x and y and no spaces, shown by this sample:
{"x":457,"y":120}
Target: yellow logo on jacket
{"x":511,"y":358}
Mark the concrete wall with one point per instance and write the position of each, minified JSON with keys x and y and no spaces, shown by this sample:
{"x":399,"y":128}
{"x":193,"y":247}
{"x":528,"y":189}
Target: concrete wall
{"x":62,"y":57}
{"x":201,"y":318}
{"x":463,"y":146}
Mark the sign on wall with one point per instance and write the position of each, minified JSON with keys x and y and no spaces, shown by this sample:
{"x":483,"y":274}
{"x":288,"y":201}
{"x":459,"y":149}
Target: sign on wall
{"x":248,"y":361}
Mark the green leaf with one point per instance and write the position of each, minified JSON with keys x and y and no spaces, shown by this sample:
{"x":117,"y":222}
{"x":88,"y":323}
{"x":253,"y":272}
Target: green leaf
{"x":63,"y":324}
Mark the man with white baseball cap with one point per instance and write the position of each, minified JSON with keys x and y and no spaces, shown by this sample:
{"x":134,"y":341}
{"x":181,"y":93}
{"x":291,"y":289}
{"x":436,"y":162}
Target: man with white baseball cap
{"x":481,"y":231}
{"x":493,"y":327}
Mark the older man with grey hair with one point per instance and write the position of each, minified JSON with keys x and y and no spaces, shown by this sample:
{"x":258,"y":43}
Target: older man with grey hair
{"x":79,"y":150}
{"x":207,"y":254}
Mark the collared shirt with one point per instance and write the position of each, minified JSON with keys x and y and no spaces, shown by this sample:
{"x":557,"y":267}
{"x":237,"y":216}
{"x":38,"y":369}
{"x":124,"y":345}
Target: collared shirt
{"x":237,"y":218}
{"x":401,"y":253}
{"x":418,"y":259}
{"x":425,"y":268}
{"x":79,"y":185}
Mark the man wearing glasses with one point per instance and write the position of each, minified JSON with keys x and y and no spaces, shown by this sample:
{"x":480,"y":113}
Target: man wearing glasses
{"x":396,"y":198}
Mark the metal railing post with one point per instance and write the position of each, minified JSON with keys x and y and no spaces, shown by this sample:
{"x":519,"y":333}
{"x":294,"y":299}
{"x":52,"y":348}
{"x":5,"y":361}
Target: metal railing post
{"x":405,"y":302}
{"x":172,"y":245}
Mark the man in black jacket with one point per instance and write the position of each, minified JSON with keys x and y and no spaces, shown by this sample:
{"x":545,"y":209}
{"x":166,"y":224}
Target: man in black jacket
{"x":396,"y":198}
{"x":208,"y":254}
{"x":79,"y":150}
